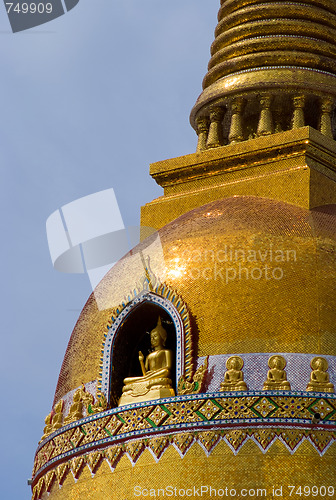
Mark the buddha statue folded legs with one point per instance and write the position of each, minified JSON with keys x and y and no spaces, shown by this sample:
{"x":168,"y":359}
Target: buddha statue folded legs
{"x":141,"y":385}
{"x":319,"y":377}
{"x":276,"y":376}
{"x":234,"y":377}
{"x":155,"y":381}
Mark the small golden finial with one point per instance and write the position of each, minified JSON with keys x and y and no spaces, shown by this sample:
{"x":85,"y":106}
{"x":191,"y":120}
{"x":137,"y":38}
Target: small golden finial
{"x":195,"y":385}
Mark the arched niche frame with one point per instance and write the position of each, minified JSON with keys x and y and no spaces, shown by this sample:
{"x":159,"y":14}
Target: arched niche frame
{"x":127,"y":335}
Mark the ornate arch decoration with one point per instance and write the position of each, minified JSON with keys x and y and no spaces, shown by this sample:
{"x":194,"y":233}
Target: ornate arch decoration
{"x":167,"y":300}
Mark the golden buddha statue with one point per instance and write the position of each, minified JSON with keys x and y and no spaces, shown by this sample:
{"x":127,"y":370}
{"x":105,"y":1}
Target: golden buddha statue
{"x":234,"y":377}
{"x":57,"y":420}
{"x":276,"y":376}
{"x":54,"y":420}
{"x":319,"y":378}
{"x":48,"y":427}
{"x":155,"y":381}
{"x":76,"y":409}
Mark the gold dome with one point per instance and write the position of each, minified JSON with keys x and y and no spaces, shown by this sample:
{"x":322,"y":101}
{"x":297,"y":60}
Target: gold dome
{"x":282,"y":303}
{"x":255,"y":275}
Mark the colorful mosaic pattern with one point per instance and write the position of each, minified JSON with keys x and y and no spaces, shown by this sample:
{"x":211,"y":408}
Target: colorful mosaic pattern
{"x":291,"y":437}
{"x":166,"y":298}
{"x":234,"y":418}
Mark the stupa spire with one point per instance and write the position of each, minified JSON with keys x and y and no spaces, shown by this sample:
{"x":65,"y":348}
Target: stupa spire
{"x":265,"y":118}
{"x":272,"y":69}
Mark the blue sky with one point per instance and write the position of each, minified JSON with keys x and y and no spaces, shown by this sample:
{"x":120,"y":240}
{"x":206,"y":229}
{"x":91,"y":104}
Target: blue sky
{"x":88,"y":101}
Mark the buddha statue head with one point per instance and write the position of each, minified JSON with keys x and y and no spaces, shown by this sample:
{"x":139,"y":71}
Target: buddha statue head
{"x":234,"y":363}
{"x":319,"y":364}
{"x":277,"y":362}
{"x":158,"y":335}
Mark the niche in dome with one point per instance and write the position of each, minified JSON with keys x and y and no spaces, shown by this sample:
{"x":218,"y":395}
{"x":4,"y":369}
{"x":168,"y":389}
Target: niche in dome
{"x":132,"y":336}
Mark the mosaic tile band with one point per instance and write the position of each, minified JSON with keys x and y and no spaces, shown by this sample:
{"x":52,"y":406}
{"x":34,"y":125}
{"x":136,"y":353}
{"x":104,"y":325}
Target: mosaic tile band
{"x":291,"y":437}
{"x":191,"y":413}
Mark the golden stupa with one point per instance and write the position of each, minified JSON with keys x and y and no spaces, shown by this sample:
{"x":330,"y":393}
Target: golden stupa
{"x":204,"y":363}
